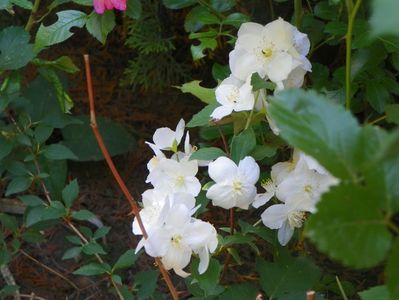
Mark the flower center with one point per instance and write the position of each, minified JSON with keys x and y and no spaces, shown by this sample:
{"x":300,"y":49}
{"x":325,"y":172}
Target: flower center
{"x":234,"y":95}
{"x":237,"y":186}
{"x":308,"y":188}
{"x":179,"y":180}
{"x":267,"y":52}
{"x":295,"y":219}
{"x":176,"y":240}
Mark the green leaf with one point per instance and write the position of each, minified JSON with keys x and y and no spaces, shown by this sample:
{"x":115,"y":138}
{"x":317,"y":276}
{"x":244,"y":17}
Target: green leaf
{"x":198,"y":17}
{"x":197,"y":51}
{"x":5,"y":147}
{"x":206,"y":95}
{"x":70,"y":193}
{"x":210,"y":153}
{"x":350,"y":212}
{"x":222,"y":5}
{"x":146,"y":282}
{"x":18,"y":184}
{"x":134,"y":9}
{"x":378,"y":292}
{"x":23,"y":3}
{"x":74,"y":240}
{"x":287,"y":275}
{"x":209,"y":280}
{"x":80,"y":139}
{"x":126,"y":260}
{"x":100,"y":25}
{"x":392,"y":111}
{"x":392,"y":271}
{"x":33,"y":236}
{"x":384,"y":18}
{"x":38,"y":214}
{"x":202,"y":118}
{"x":63,"y":63}
{"x":177,"y":4}
{"x":71,"y":253}
{"x":262,"y":151}
{"x":15,"y":50}
{"x":258,"y":83}
{"x":240,"y":291}
{"x":31,"y":200}
{"x":58,"y":151}
{"x":5,"y":257}
{"x":9,"y":290}
{"x":101,"y":232}
{"x":242,"y":144}
{"x":64,"y":100}
{"x":60,"y":30}
{"x":91,"y":269}
{"x":82,"y":215}
{"x":42,"y":133}
{"x":236,"y":19}
{"x":377,"y":96}
{"x":9,"y":222}
{"x":322,"y":129}
{"x":220,"y":72}
{"x":93,"y":248}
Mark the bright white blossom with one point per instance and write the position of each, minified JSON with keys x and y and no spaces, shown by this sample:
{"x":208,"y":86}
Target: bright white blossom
{"x":273,"y":51}
{"x":177,"y":235}
{"x":166,"y":139}
{"x":233,"y":95}
{"x":299,"y":185}
{"x":171,"y":176}
{"x":234,"y":185}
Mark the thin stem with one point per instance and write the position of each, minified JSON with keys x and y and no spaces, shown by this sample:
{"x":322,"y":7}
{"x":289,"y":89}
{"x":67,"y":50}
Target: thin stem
{"x":32,"y":16}
{"x":118,"y":291}
{"x":271,"y":8}
{"x":48,"y":269}
{"x":393,"y":227}
{"x":257,"y":223}
{"x":341,"y":289}
{"x":348,"y":68}
{"x":232,"y":221}
{"x":118,"y":178}
{"x":310,"y":295}
{"x":378,"y":119}
{"x":298,"y":13}
{"x":252,"y":111}
{"x":226,"y":148}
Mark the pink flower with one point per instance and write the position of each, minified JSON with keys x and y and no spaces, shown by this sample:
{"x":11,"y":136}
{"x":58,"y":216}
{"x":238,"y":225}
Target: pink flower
{"x":101,"y":5}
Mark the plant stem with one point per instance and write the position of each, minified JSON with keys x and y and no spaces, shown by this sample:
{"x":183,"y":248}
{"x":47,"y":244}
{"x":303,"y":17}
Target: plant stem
{"x":252,"y":111}
{"x":348,"y":67}
{"x":298,"y":13}
{"x":341,"y":289}
{"x":231,"y":221}
{"x":378,"y":120}
{"x":32,"y":16}
{"x":118,"y":178}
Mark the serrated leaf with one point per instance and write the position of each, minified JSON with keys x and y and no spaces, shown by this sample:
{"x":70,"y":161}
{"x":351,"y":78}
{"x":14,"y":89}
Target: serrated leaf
{"x":60,"y":30}
{"x":91,"y":269}
{"x":240,"y":291}
{"x":70,"y":193}
{"x":236,"y":19}
{"x":197,"y":51}
{"x":198,"y":17}
{"x":208,"y":280}
{"x":126,"y":260}
{"x":100,"y":26}
{"x":209,"y":153}
{"x":258,"y":83}
{"x":203,"y":117}
{"x":350,"y":212}
{"x":15,"y":50}
{"x":206,"y":95}
{"x":146,"y":282}
{"x":101,"y":232}
{"x":23,"y":3}
{"x":287,"y":275}
{"x":320,"y":128}
{"x":262,"y":151}
{"x":63,"y":63}
{"x":242,"y":144}
{"x":58,"y":152}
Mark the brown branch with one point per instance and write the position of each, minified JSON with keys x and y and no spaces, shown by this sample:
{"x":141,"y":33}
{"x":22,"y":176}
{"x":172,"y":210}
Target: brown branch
{"x":118,"y":178}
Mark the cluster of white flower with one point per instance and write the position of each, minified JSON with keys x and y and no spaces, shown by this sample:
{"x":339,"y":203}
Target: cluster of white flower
{"x":298,"y":184}
{"x":167,"y":214}
{"x":277,"y":52}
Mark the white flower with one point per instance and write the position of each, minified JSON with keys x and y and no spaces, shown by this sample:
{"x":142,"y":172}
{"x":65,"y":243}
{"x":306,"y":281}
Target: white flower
{"x":171,"y":176}
{"x":166,"y":139}
{"x":234,"y":185}
{"x":153,"y":203}
{"x":285,"y":217}
{"x":273,"y":51}
{"x":233,"y":95}
{"x":176,"y":236}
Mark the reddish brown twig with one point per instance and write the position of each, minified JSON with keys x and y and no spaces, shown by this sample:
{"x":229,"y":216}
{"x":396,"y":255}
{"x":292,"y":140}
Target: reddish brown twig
{"x":310,"y":295}
{"x":118,"y":178}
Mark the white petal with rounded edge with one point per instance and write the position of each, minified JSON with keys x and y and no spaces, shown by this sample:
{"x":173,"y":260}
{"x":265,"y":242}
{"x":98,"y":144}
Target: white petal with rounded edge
{"x":221,"y":169}
{"x":285,"y":234}
{"x":221,"y":112}
{"x":274,"y":216}
{"x":249,"y":169}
